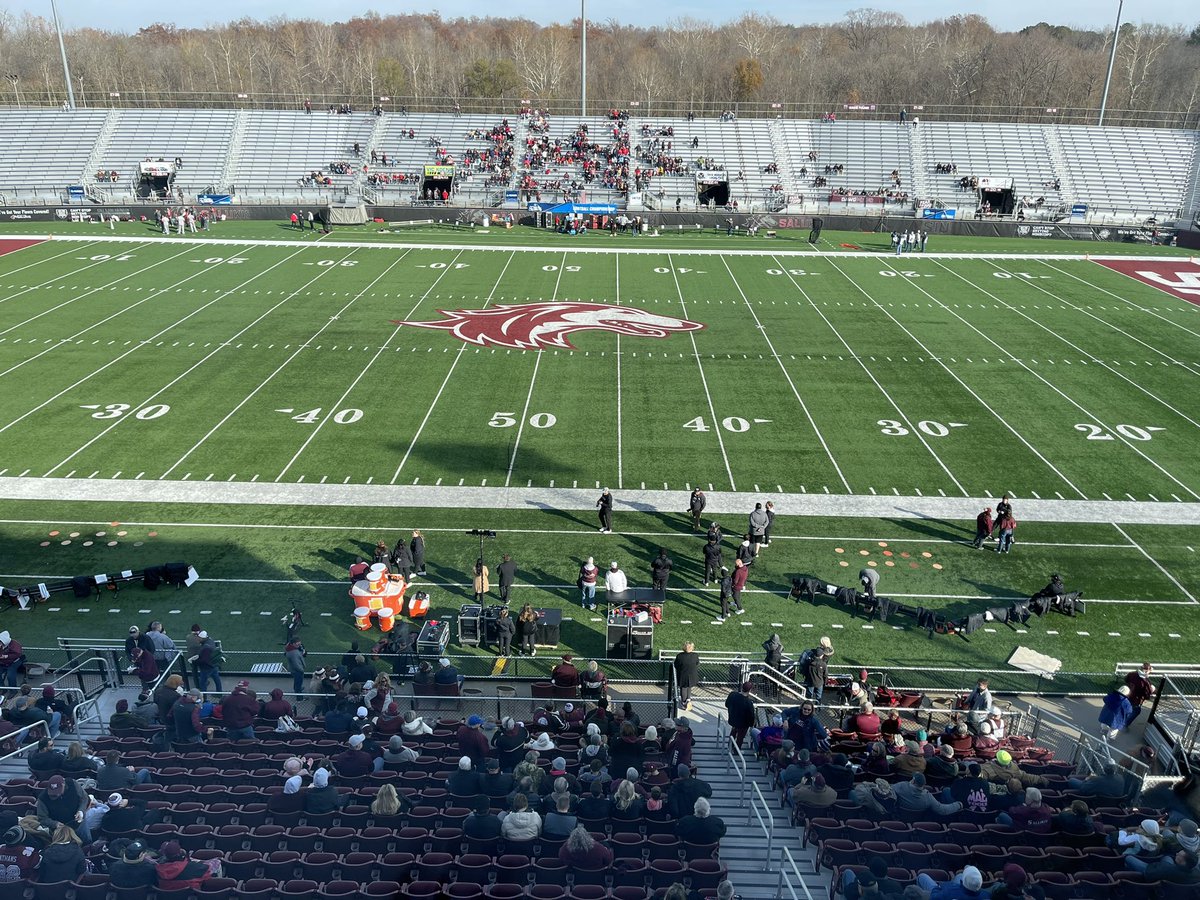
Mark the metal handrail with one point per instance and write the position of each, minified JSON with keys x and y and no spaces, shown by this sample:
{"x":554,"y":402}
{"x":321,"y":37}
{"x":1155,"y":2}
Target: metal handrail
{"x":92,"y":707}
{"x":166,"y":671}
{"x":735,"y":762}
{"x":24,"y":747}
{"x":106,"y":671}
{"x":786,"y":862}
{"x":768,"y":825}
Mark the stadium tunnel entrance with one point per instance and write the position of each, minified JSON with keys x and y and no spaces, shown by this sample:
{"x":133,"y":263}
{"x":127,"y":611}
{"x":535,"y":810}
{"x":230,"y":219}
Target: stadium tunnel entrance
{"x":154,"y":178}
{"x":998,"y":194}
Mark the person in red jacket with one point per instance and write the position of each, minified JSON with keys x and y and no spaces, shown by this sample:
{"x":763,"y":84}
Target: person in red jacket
{"x":176,"y":872}
{"x":983,"y":528}
{"x":239,"y":711}
{"x":1141,"y":688}
{"x":12,"y":657}
{"x":741,"y":571}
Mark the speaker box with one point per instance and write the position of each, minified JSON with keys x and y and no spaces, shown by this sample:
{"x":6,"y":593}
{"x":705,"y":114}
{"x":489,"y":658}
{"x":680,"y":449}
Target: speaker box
{"x":641,"y":641}
{"x":82,"y":585}
{"x":152,"y":577}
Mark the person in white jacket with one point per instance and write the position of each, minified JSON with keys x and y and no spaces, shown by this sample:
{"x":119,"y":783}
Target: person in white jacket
{"x":615,"y":585}
{"x":522,"y":824}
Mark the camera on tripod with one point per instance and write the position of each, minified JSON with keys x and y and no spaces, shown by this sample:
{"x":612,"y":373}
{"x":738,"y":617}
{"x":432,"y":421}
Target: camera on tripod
{"x":481,"y":533}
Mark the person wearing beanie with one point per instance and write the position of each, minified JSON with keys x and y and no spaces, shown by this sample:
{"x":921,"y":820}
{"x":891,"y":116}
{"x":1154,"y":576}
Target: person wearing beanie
{"x":176,"y":872}
{"x":18,"y":857}
{"x":397,"y":757}
{"x":134,"y":869}
{"x":966,"y":885}
{"x":1117,"y":712}
{"x":1184,"y":836}
{"x":814,"y":793}
{"x":124,"y":720}
{"x":321,"y":797}
{"x":942,"y":766}
{"x":1003,"y":768}
{"x":464,"y":781}
{"x":911,"y":761}
{"x":877,"y":870}
{"x":472,"y":742}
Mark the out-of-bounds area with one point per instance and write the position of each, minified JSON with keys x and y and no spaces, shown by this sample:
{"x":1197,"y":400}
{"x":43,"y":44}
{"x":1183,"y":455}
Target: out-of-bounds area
{"x":878,"y":399}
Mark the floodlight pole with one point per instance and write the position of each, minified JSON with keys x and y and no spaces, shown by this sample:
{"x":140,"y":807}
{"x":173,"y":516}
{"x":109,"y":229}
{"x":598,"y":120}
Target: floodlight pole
{"x":583,"y":57}
{"x":62,"y":49}
{"x":1112,"y":59}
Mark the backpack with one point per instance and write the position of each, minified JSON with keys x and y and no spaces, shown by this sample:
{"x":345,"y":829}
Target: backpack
{"x":217,"y":660}
{"x":805,"y":662}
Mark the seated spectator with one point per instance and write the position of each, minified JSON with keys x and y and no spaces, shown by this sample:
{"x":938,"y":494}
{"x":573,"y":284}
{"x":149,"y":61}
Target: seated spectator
{"x":465,"y":781}
{"x":628,"y":805}
{"x":423,"y":678}
{"x":354,"y":761}
{"x":876,"y":797}
{"x":891,"y":724}
{"x":185,"y":717}
{"x":176,"y":872}
{"x":838,"y":773}
{"x":125,"y":815}
{"x":548,"y":719}
{"x":959,"y":737}
{"x":798,"y":769}
{"x":414,"y":725}
{"x":294,"y":771}
{"x":942,"y":765}
{"x":530,"y":768}
{"x":447,"y":674}
{"x":134,"y":869}
{"x":1032,"y":816}
{"x":62,"y":801}
{"x":595,"y":803}
{"x":768,"y":739}
{"x":865,"y":722}
{"x":1185,"y":836}
{"x":627,"y":750}
{"x":877,"y":761}
{"x":701,"y":827}
{"x":650,"y":743}
{"x":389,"y":722}
{"x":560,"y":822}
{"x":814,"y":793}
{"x":912,"y":799}
{"x":522,"y":824}
{"x":471,"y":740}
{"x":63,"y":860}
{"x":600,"y":717}
{"x":593,"y":682}
{"x":966,"y":885}
{"x":911,"y":761}
{"x":581,"y":851}
{"x":19,"y":855}
{"x":984,"y":743}
{"x":321,"y":797}
{"x":872,"y":883}
{"x":398,"y":757}
{"x":277,"y":706}
{"x":1109,"y":783}
{"x":1076,"y":819}
{"x":238,"y":711}
{"x":388,"y":803}
{"x":45,"y":758}
{"x":558,"y":770}
{"x":541,"y":744}
{"x":124,"y":720}
{"x":1145,"y":840}
{"x":1002,"y":768}
{"x":494,"y":782}
{"x":1177,"y":869}
{"x":482,"y":825}
{"x":594,"y":749}
{"x":1014,"y":885}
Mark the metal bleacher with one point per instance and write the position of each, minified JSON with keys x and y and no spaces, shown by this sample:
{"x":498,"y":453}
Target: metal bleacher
{"x":989,"y":150}
{"x":1143,"y":171}
{"x":868,"y":150}
{"x":282,"y":146}
{"x":45,"y":150}
{"x":200,"y":137}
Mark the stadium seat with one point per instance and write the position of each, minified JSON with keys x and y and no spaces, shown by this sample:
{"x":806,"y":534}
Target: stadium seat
{"x":281,"y":865}
{"x":1134,"y":886}
{"x":539,"y":891}
{"x":338,"y":840}
{"x":665,"y":872}
{"x":836,"y":852}
{"x":463,"y":890}
{"x":706,"y":873}
{"x":257,"y":889}
{"x":588,"y":892}
{"x":91,"y":886}
{"x":397,"y":866}
{"x":435,"y":866}
{"x":358,"y":866}
{"x":474,"y":867}
{"x":318,"y":865}
{"x":338,"y":889}
{"x":216,"y":889}
{"x":51,"y":890}
{"x":229,"y":838}
{"x":512,"y":868}
{"x":379,"y":890}
{"x":549,"y":870}
{"x":243,"y":864}
{"x":298,"y":888}
{"x":1057,"y":885}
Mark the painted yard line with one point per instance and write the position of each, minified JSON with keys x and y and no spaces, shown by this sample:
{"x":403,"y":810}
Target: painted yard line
{"x":537,"y":362}
{"x":1189,"y":307}
{"x":182,"y":375}
{"x":703,"y":380}
{"x":359,"y":526}
{"x":862,"y":363}
{"x":95,"y":290}
{"x":1157,"y":564}
{"x":935,"y":357}
{"x":8,"y":273}
{"x":1092,"y":356}
{"x":145,"y":341}
{"x":68,"y":274}
{"x":804,"y":406}
{"x":446,"y":380}
{"x":341,"y":582}
{"x":1024,"y":365}
{"x":838,"y":506}
{"x":635,"y":251}
{"x":620,"y":463}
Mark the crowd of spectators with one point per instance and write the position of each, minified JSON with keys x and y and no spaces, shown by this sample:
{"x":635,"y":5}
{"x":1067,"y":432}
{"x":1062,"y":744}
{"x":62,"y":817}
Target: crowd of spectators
{"x":569,"y":166}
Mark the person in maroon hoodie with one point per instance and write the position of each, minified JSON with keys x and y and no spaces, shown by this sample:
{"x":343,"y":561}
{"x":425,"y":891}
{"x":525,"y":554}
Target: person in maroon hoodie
{"x":983,"y":528}
{"x":12,"y":657}
{"x":1032,"y":816}
{"x":355,"y":761}
{"x":277,"y":706}
{"x":146,"y":667}
{"x":472,"y":742}
{"x":176,"y":872}
{"x":389,"y":722}
{"x":239,"y":710}
{"x":581,"y":851}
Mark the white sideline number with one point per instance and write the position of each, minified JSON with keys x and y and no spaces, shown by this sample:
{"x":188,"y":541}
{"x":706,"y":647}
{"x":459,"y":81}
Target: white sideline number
{"x":346,"y":416}
{"x":1133,"y":432}
{"x":926,"y":426}
{"x":736,"y":424}
{"x":537,"y":420}
{"x":116,"y":410}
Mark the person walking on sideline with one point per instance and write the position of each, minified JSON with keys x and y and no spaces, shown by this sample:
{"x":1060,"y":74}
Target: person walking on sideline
{"x":727,"y":594}
{"x":758,"y":527}
{"x":696,"y":505}
{"x":983,"y":528}
{"x":1003,"y":508}
{"x":481,"y":583}
{"x":712,"y":560}
{"x":660,"y":570}
{"x":1007,"y":524}
{"x":507,"y":570}
{"x":769,"y":509}
{"x":741,"y":571}
{"x":604,"y":505}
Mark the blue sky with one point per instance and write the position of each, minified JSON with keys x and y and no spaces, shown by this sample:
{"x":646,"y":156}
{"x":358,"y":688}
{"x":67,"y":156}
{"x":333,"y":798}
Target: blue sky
{"x":129,"y":15}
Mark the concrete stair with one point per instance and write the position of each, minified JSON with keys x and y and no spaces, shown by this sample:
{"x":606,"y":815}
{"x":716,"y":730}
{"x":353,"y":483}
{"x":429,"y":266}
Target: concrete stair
{"x":753,"y":870}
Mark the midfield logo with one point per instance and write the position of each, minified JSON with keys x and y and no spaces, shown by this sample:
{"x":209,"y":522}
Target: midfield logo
{"x":536,"y":326}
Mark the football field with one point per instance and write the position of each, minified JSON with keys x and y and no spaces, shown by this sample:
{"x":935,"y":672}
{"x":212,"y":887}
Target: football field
{"x":874,"y":374}
{"x":313,"y":378}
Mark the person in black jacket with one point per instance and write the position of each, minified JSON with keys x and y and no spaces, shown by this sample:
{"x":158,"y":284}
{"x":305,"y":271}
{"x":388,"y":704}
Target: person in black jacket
{"x":482,"y":825}
{"x":321,"y":796}
{"x":687,"y":673}
{"x":507,"y":572}
{"x":506,"y":629}
{"x":712,"y":561}
{"x":696,"y":504}
{"x":133,"y":869}
{"x":605,"y":505}
{"x":700,"y":827}
{"x":63,"y":860}
{"x":417,"y":548}
{"x":463,"y":782}
{"x":660,"y":570}
{"x":741,"y":714}
{"x":402,"y":559}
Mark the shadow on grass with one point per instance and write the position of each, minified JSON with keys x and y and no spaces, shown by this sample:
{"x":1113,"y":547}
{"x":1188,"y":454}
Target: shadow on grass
{"x":942,"y":529}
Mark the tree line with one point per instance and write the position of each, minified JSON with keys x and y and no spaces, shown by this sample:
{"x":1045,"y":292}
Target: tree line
{"x":955,"y":67}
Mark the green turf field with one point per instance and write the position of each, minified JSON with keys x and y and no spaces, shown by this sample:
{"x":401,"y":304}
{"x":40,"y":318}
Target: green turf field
{"x":259,"y":362}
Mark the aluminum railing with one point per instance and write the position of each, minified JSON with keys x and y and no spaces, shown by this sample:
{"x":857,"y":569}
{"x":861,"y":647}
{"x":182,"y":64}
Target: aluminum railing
{"x":24,"y":730}
{"x":788,"y":870}
{"x":759,"y":808}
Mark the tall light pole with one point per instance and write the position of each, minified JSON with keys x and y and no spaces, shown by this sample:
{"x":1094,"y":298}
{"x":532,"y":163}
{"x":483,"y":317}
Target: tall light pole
{"x":1112,"y":59}
{"x":583,"y":57}
{"x":62,"y":49}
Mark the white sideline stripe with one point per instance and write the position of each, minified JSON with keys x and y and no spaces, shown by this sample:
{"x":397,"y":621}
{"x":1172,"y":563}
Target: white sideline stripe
{"x":571,"y":587}
{"x":1185,"y":305}
{"x":1024,"y":365}
{"x":358,"y":526}
{"x":1157,"y":564}
{"x":635,"y":251}
{"x":1093,"y":356}
{"x":181,"y":376}
{"x":446,"y":380}
{"x":703,"y":379}
{"x":804,"y":406}
{"x":367,"y":496}
{"x":886,"y":396}
{"x":142,"y":343}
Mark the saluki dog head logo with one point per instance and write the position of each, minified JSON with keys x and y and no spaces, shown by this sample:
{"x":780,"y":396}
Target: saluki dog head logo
{"x":535,"y":326}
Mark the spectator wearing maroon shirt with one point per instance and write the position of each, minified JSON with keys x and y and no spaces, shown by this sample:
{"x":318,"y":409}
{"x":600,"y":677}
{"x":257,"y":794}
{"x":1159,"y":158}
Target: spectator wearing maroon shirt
{"x":1141,"y":689}
{"x":1032,"y":816}
{"x":18,"y":860}
{"x":565,"y":674}
{"x":472,"y":742}
{"x":865,"y":722}
{"x":276,"y":706}
{"x":581,"y":851}
{"x":239,"y":711}
{"x":12,"y":657}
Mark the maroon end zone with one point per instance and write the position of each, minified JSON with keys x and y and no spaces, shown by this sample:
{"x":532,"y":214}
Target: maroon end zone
{"x":1177,"y":277}
{"x":11,"y":245}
